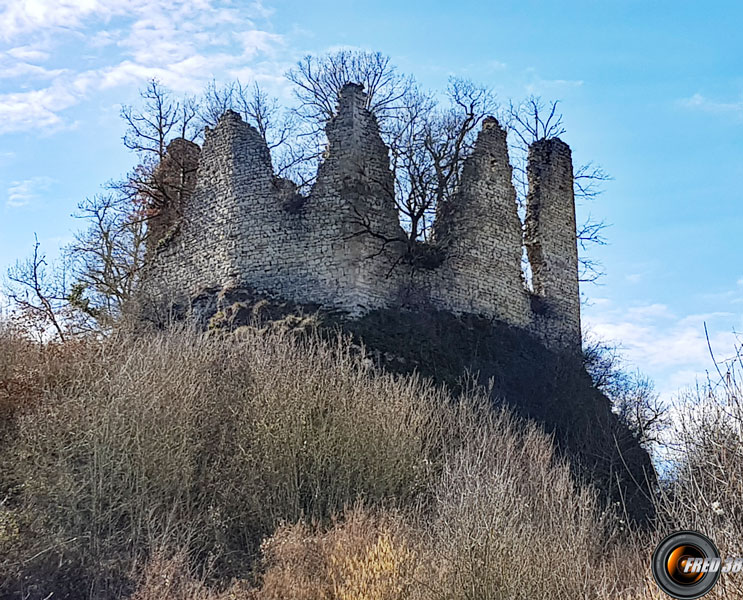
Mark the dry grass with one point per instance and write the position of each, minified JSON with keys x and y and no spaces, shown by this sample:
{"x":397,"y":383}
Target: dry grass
{"x":28,"y":370}
{"x":366,"y":555}
{"x":502,"y":496}
{"x":266,"y":465}
{"x":506,"y":522}
{"x":206,"y":442}
{"x":705,"y":491}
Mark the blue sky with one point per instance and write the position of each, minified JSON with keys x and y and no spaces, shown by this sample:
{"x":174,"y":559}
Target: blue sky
{"x":651,"y":91}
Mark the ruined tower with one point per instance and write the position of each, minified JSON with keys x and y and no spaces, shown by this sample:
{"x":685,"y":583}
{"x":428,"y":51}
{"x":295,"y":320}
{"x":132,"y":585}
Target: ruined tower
{"x":480,"y":234}
{"x":342,"y":246}
{"x":550,"y":239}
{"x":174,"y":180}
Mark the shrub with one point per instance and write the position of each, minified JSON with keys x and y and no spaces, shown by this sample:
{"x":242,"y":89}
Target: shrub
{"x":171,"y":577}
{"x":505,"y":521}
{"x":368,"y":555}
{"x":704,"y":488}
{"x":207,"y":442}
{"x":510,"y":521}
{"x":210,"y":466}
{"x":27,"y":369}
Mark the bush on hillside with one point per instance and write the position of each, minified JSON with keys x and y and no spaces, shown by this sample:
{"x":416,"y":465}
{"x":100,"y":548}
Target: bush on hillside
{"x":191,"y":466}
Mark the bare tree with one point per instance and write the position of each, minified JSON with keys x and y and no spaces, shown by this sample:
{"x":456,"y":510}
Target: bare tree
{"x":587,"y":180}
{"x":159,"y":119}
{"x":535,"y":119}
{"x":412,"y":164}
{"x":39,"y":294}
{"x":429,"y":143}
{"x":590,"y":233}
{"x":631,"y":393}
{"x":319,"y":80}
{"x":703,"y":487}
{"x":295,"y":150}
{"x":107,"y":256}
{"x":216,"y":101}
{"x":161,"y":180}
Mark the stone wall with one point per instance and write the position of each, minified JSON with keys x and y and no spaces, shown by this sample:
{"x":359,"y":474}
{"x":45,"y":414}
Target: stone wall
{"x":479,"y":232}
{"x":550,"y":239}
{"x":342,"y":246}
{"x":174,"y":180}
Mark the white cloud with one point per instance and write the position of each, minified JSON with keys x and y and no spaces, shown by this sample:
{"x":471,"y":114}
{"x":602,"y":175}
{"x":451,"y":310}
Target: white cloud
{"x":182,"y":43}
{"x":39,"y":109}
{"x":652,"y":343}
{"x":18,"y":18}
{"x":22,"y":193}
{"x":538,"y":84}
{"x":30,"y":110}
{"x":23,"y":61}
{"x":28,"y":53}
{"x":649,"y":312}
{"x":260,"y":10}
{"x":672,"y":349}
{"x":175,"y":76}
{"x":258,"y":42}
{"x":12,"y":68}
{"x":700,"y":102}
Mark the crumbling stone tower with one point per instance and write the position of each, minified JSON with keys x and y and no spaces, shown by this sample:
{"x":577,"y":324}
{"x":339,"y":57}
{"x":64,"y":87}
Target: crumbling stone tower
{"x":550,"y":237}
{"x":480,"y":233}
{"x":342,"y":247}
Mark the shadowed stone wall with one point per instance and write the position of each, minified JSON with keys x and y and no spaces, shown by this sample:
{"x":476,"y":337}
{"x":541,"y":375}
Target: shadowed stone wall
{"x":480,"y":235}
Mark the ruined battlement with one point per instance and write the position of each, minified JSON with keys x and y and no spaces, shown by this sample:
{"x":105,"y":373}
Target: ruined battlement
{"x":238,"y":225}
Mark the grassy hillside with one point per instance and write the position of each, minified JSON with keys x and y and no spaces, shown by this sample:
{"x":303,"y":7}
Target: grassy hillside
{"x":516,"y":370}
{"x":268,"y":463}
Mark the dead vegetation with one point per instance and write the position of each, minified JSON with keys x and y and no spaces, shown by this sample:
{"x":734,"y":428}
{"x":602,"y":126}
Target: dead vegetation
{"x":266,"y":464}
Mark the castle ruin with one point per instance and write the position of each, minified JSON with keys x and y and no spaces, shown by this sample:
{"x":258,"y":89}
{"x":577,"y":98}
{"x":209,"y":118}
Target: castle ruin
{"x":342,"y":246}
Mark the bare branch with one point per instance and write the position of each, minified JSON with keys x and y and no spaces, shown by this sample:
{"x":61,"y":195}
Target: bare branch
{"x":38,"y":295}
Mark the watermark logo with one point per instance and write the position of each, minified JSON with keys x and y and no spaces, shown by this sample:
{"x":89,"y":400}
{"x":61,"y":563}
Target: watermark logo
{"x":687,"y":565}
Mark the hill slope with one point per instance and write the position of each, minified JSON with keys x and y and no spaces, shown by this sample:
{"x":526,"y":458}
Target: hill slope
{"x":550,"y":388}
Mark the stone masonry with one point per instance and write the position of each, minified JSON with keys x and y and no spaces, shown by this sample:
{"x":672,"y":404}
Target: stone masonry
{"x":342,"y":247}
{"x":550,"y":239}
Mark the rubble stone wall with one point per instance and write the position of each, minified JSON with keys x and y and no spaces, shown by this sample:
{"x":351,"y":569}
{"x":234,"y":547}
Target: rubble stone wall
{"x":342,"y":246}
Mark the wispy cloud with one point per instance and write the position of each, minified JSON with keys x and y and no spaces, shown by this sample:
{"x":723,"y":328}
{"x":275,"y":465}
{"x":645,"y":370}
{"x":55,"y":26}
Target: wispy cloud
{"x":22,"y":61}
{"x":671,"y":348}
{"x":536,"y":84}
{"x":19,"y":19}
{"x":41,"y":108}
{"x":23,"y":193}
{"x":703,"y":103}
{"x":183,"y":43}
{"x":28,"y":53}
